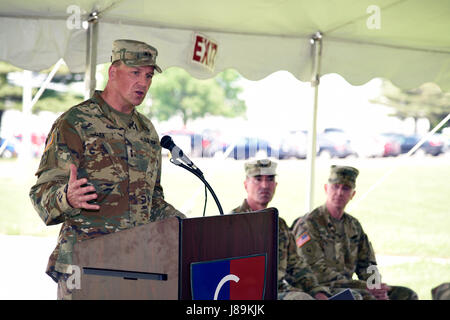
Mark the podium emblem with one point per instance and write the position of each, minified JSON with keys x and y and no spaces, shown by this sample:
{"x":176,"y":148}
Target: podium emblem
{"x":238,"y":278}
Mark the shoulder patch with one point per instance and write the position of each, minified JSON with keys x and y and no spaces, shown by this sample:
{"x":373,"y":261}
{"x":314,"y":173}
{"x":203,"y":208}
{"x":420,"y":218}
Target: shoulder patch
{"x":49,"y":142}
{"x":302,"y":239}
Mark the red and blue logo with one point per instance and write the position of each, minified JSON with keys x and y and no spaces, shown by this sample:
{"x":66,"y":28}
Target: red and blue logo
{"x":241,"y":278}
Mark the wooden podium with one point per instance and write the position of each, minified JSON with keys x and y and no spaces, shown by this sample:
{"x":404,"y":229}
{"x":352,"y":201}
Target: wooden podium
{"x":153,"y":261}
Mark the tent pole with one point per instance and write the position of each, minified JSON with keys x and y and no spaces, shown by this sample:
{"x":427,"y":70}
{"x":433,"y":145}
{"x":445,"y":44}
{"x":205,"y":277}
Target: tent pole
{"x":316,"y":42}
{"x":25,"y":152}
{"x":46,"y":82}
{"x":91,"y":55}
{"x":28,"y":101}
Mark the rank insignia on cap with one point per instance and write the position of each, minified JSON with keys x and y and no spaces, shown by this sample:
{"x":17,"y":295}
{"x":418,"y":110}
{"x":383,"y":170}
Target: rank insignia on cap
{"x":135,"y":53}
{"x":261,"y":167}
{"x":302,"y":239}
{"x":343,"y":175}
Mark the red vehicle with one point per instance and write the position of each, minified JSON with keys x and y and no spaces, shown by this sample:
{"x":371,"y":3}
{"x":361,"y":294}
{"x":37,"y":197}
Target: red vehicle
{"x":392,"y":145}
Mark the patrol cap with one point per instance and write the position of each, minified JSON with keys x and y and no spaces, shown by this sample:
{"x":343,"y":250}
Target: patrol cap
{"x":262,"y":167}
{"x":343,"y":175}
{"x":134,"y":53}
{"x":441,"y":292}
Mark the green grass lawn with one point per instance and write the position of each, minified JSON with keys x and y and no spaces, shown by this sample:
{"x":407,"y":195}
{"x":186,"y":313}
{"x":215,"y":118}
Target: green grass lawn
{"x":17,"y":215}
{"x":421,"y":275}
{"x":407,"y":214}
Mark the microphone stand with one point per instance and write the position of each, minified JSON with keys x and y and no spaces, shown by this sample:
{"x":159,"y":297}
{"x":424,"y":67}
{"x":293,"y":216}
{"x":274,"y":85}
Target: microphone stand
{"x":199,"y":175}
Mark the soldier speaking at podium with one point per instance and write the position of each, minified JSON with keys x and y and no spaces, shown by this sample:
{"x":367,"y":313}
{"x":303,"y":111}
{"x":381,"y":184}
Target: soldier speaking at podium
{"x":101,"y":168}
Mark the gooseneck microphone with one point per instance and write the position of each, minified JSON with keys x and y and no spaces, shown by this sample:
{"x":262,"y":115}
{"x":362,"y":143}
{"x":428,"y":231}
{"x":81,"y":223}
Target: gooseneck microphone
{"x":180,"y":159}
{"x":177,"y":153}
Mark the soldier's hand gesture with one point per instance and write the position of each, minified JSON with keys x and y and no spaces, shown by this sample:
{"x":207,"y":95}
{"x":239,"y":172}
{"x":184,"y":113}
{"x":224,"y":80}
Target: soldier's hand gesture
{"x":381,"y":293}
{"x":78,"y":194}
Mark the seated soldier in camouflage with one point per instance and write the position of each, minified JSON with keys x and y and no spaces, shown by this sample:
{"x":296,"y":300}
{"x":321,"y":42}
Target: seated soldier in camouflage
{"x":335,"y":246}
{"x":295,"y":279}
{"x":101,"y":168}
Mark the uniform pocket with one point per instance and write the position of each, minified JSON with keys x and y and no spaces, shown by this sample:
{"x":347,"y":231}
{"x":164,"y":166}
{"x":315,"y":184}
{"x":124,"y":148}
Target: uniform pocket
{"x":329,"y":249}
{"x":153,"y":156}
{"x":147,"y":162}
{"x":105,"y":163}
{"x":105,"y":156}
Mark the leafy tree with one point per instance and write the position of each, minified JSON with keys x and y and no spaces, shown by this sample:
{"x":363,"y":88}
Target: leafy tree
{"x":10,"y":95}
{"x":227,"y":80}
{"x":175,"y":92}
{"x":427,"y":101}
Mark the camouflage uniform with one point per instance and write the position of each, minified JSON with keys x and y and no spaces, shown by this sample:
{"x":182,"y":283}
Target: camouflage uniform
{"x":441,"y":292}
{"x":336,"y":249}
{"x":120,"y":156}
{"x":295,"y":279}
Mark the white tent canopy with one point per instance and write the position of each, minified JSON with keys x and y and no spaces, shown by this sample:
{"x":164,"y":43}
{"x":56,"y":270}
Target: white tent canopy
{"x":405,"y":41}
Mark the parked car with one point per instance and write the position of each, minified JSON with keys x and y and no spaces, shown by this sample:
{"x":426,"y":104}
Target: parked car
{"x":334,"y":144}
{"x":213,"y":143}
{"x":446,"y":144}
{"x":433,"y":146}
{"x":215,"y":148}
{"x":367,"y":146}
{"x":408,"y":143}
{"x":248,"y":147}
{"x":392,"y":144}
{"x":293,"y":144}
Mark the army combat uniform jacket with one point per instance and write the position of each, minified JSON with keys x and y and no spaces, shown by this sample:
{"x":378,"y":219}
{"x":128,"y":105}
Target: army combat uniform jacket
{"x":292,"y":269}
{"x":120,"y":155}
{"x":334,"y":249}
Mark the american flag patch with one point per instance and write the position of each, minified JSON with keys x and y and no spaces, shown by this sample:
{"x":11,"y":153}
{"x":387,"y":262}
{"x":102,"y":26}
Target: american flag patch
{"x":302,"y":239}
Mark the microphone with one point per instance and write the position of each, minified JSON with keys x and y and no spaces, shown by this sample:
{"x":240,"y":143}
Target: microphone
{"x":177,"y":153}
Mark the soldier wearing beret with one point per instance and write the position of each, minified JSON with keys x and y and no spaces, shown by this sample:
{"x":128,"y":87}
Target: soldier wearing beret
{"x":101,"y":168}
{"x":335,"y":245}
{"x":295,"y":279}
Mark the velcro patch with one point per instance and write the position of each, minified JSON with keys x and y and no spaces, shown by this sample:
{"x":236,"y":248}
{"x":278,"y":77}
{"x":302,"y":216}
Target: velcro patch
{"x":302,"y":239}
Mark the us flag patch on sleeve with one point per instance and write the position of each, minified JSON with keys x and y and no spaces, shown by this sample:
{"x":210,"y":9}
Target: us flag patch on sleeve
{"x":302,"y":239}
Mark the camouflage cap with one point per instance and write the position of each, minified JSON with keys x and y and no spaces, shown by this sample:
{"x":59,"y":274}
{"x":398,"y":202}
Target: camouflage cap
{"x":441,"y":292}
{"x":343,"y":175}
{"x":134,"y":53}
{"x":262,"y":167}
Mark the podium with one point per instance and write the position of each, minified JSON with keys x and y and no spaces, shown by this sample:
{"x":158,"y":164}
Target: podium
{"x":153,"y":261}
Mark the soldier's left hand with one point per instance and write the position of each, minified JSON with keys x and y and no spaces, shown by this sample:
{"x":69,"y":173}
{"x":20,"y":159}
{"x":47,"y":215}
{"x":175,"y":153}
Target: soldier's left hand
{"x":382,"y":293}
{"x":320,"y":296}
{"x":77,"y":195}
